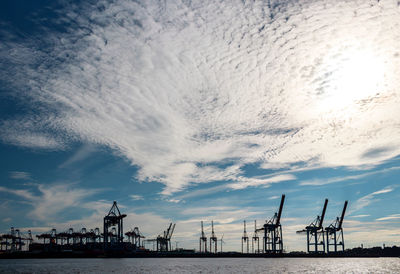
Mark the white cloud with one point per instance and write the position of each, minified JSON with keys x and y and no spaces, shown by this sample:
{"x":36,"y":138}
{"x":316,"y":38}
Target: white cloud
{"x":178,"y":88}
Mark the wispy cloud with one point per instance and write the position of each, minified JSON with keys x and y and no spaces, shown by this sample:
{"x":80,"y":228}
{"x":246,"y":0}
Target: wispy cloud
{"x":253,"y":182}
{"x":7,"y":220}
{"x":178,"y":87}
{"x":136,"y":197}
{"x":368,"y":199}
{"x":83,"y":152}
{"x":24,"y":134}
{"x":20,"y":175}
{"x":240,"y":182}
{"x":390,"y":217}
{"x":26,"y":194}
{"x":202,"y":192}
{"x":360,"y":216}
{"x":52,"y":199}
{"x":326,"y":181}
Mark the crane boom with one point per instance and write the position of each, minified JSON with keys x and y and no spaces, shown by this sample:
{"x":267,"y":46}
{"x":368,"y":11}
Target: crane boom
{"x":323,"y":213}
{"x":278,"y":219}
{"x":202,"y":230}
{"x":342,"y":217}
{"x":171,"y":231}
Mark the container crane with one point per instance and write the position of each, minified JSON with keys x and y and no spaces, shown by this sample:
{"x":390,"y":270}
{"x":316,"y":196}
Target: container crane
{"x":273,"y":242}
{"x":255,"y":240}
{"x":245,"y":238}
{"x":334,"y":232}
{"x":315,"y":233}
{"x":113,"y":220}
{"x":203,"y":240}
{"x":213,"y":239}
{"x":164,"y":241}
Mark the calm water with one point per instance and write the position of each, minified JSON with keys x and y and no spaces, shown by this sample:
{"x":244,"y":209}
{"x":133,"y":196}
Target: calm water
{"x":203,"y":265}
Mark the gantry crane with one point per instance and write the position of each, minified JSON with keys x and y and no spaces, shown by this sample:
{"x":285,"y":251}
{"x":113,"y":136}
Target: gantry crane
{"x":213,"y":239}
{"x":245,"y":238}
{"x":50,"y":236}
{"x":164,"y":241}
{"x":334,"y":232}
{"x":255,"y":240}
{"x":134,"y":237}
{"x":113,"y":222}
{"x":315,"y":233}
{"x":94,"y":235}
{"x":203,"y":240}
{"x":16,"y":240}
{"x":222,"y":241}
{"x":273,"y":242}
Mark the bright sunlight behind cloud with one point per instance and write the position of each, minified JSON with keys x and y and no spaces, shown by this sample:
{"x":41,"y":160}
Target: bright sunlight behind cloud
{"x":180,"y":88}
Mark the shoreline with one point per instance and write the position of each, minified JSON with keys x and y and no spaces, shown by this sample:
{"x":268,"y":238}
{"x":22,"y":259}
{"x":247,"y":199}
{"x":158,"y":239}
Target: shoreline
{"x":61,"y":255}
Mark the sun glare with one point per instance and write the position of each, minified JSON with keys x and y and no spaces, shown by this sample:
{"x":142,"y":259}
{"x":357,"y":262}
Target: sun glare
{"x":351,"y":76}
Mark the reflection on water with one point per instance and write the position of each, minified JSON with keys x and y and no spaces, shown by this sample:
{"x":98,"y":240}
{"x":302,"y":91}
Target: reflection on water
{"x":203,"y":265}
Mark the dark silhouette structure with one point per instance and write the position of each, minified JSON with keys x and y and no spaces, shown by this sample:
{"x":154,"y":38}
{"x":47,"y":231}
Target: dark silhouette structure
{"x":15,"y":241}
{"x":334,"y":233}
{"x":245,"y":238}
{"x":273,"y":242}
{"x":113,"y":227}
{"x":92,"y":243}
{"x":164,"y":240}
{"x":134,"y":237}
{"x":85,"y":241}
{"x":315,"y":233}
{"x":49,"y":237}
{"x":255,"y":240}
{"x":213,"y":239}
{"x":203,"y":240}
{"x":66,"y":237}
{"x":222,"y":241}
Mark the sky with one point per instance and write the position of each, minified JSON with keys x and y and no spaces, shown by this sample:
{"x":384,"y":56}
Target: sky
{"x":189,"y":111}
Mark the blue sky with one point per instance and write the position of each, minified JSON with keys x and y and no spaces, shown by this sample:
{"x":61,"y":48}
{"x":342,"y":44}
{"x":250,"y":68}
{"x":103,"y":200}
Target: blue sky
{"x":200,"y":111}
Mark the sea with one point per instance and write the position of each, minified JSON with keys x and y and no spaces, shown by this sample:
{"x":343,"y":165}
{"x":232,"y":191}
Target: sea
{"x":202,"y":265}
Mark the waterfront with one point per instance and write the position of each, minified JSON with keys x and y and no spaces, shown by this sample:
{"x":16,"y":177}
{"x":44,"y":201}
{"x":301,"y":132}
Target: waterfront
{"x":203,"y":265}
